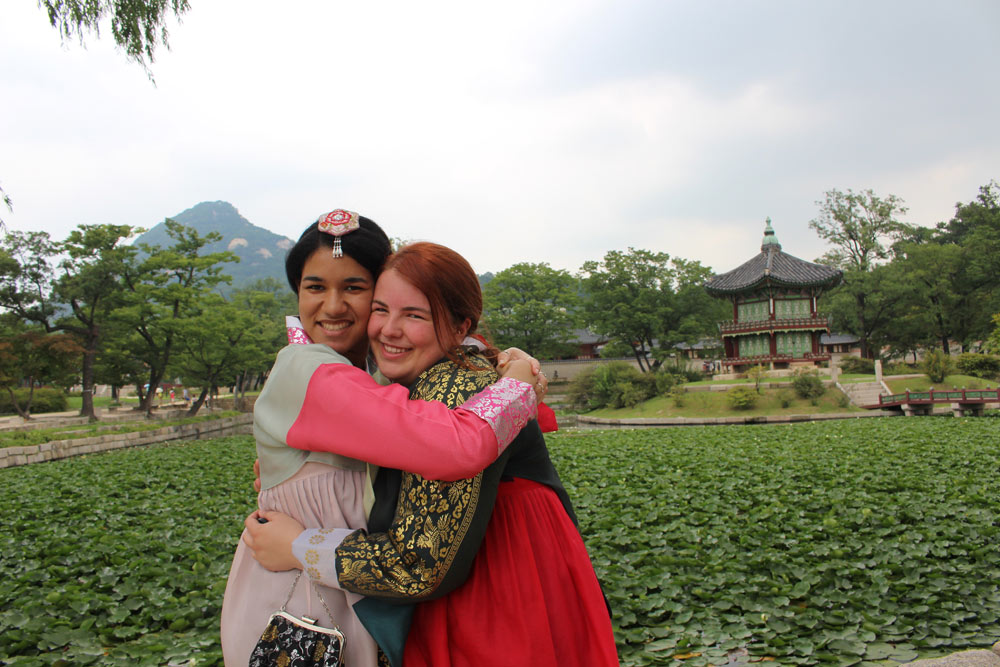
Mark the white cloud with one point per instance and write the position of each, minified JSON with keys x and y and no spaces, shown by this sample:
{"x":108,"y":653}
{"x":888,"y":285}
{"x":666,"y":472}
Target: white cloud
{"x":517,"y":132}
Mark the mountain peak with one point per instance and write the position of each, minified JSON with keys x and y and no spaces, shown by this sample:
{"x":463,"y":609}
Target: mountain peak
{"x":261,"y":252}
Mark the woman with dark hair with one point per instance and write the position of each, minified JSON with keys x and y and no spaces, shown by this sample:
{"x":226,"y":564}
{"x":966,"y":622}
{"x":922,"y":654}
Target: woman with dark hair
{"x":495,"y":561}
{"x":319,"y":393}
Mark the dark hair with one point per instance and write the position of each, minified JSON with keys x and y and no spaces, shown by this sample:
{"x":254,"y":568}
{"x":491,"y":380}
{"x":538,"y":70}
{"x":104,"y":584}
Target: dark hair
{"x":451,"y":287}
{"x":368,"y":246}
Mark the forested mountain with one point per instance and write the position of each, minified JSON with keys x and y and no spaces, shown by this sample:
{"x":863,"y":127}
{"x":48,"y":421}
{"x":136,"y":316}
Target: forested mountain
{"x":261,"y":252}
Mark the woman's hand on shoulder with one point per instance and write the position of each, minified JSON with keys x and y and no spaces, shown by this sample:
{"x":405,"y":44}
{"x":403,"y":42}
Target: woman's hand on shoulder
{"x":270,"y":542}
{"x":533,"y":375}
{"x":521,"y":370}
{"x":515,"y":354}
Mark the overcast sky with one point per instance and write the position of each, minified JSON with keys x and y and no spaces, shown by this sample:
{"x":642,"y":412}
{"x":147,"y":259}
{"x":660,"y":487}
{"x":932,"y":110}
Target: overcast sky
{"x":515,"y":131}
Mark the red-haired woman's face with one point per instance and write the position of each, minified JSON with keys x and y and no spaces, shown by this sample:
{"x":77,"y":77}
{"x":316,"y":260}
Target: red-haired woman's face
{"x":401,"y":329}
{"x":335,"y":296}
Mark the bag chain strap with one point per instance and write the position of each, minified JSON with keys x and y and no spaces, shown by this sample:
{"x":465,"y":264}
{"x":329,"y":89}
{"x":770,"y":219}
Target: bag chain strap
{"x":316,"y":590}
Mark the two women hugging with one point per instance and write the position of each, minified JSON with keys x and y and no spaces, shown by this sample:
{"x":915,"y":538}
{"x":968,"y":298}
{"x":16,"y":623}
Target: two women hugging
{"x":427,"y":510}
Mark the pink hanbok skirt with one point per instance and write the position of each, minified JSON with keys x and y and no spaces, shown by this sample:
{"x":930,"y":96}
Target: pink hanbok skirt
{"x":319,"y":496}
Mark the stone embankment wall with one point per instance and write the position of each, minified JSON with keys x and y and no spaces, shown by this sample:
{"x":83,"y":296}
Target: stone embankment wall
{"x":59,"y":449}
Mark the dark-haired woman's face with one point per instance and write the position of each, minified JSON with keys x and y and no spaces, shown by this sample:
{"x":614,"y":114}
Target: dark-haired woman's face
{"x":335,"y":300}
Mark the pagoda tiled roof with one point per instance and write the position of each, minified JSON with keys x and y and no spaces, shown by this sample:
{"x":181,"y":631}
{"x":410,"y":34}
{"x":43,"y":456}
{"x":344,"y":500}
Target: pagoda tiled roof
{"x":775,"y":267}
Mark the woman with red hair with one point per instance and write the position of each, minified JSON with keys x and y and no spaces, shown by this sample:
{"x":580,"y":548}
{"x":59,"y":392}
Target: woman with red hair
{"x":489,"y":570}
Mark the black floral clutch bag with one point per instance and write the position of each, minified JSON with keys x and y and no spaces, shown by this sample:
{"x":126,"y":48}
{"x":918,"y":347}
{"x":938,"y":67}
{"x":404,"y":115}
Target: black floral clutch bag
{"x":291,"y":641}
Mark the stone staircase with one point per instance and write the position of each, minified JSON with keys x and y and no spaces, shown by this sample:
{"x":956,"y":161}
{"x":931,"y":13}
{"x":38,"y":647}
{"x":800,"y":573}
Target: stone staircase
{"x":862,"y":393}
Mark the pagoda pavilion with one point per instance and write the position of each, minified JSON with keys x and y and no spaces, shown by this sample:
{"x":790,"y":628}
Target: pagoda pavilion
{"x":775,"y":322}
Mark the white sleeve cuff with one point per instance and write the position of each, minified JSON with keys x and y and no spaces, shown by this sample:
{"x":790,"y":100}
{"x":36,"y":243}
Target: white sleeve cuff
{"x":316,"y":550}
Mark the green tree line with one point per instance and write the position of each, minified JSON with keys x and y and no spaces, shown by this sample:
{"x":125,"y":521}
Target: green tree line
{"x":92,"y":309}
{"x":140,"y":315}
{"x":908,"y":288}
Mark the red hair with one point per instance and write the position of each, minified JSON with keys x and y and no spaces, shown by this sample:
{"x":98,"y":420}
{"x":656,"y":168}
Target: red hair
{"x":451,"y":287}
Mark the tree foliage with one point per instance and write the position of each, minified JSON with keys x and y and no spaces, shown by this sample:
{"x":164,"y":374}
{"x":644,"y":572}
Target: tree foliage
{"x":533,"y":307}
{"x":226,"y":343}
{"x":628,"y":296}
{"x":694,"y":313}
{"x":861,"y":227}
{"x":161,"y":295}
{"x":137,"y":26}
{"x":75,"y":296}
{"x":29,"y":357}
{"x":5,"y":198}
{"x":975,"y":229}
{"x":907,"y":288}
{"x":993,"y":342}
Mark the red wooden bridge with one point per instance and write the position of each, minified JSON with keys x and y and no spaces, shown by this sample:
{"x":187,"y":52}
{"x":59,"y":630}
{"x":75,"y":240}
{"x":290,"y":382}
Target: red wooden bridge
{"x":963,"y":401}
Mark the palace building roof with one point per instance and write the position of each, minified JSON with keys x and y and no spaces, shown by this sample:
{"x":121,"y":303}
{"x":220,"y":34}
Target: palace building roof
{"x":773,"y":267}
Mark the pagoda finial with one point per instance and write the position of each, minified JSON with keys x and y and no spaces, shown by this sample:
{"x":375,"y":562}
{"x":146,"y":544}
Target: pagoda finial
{"x":769,"y":237}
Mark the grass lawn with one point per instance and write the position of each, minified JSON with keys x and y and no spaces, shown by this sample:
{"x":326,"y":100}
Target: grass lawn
{"x":75,"y":402}
{"x":715,"y":404}
{"x":844,"y":377}
{"x":19,"y":438}
{"x":923,"y":383}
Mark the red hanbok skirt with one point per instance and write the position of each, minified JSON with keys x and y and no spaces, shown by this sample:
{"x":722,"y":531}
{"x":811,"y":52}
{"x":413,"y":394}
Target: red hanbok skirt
{"x":532,"y":597}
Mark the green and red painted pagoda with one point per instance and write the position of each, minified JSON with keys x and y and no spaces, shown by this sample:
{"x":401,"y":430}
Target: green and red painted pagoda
{"x":775,"y":322}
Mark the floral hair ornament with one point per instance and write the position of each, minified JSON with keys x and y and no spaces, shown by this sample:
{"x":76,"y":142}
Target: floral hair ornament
{"x":337,"y":223}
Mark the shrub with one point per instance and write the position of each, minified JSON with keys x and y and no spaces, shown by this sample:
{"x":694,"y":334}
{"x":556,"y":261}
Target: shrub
{"x":44,"y":400}
{"x":615,"y":349}
{"x":899,"y":368}
{"x":852,"y":364}
{"x":785,"y":398}
{"x":808,"y":385}
{"x":756,"y":374}
{"x":677,"y":395}
{"x":936,"y":365}
{"x":741,"y":398}
{"x":613,"y":385}
{"x":678,"y":367}
{"x":666,"y":382}
{"x":986,"y":366}
{"x":627,"y":395}
{"x":581,"y":388}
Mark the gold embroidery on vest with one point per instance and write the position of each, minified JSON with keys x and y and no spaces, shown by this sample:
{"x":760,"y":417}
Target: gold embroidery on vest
{"x":431,"y":517}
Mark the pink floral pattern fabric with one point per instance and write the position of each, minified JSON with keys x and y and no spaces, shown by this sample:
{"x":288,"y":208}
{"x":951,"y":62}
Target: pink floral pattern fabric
{"x":296,"y":334}
{"x":506,"y":406}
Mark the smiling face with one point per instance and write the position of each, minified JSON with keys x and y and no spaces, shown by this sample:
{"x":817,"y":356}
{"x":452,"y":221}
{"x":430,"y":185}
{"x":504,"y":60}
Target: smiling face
{"x":401,"y":329}
{"x":335,"y":297}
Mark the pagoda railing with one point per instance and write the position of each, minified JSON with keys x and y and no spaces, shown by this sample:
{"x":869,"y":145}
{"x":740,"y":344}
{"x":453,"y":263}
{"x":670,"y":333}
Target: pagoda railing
{"x":768,"y":358}
{"x":760,"y":326}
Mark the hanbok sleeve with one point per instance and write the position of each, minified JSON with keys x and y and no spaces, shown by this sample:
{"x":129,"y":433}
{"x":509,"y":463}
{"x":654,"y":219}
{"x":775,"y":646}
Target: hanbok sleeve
{"x":346,"y":412}
{"x":426,"y":552}
{"x":430,"y":546}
